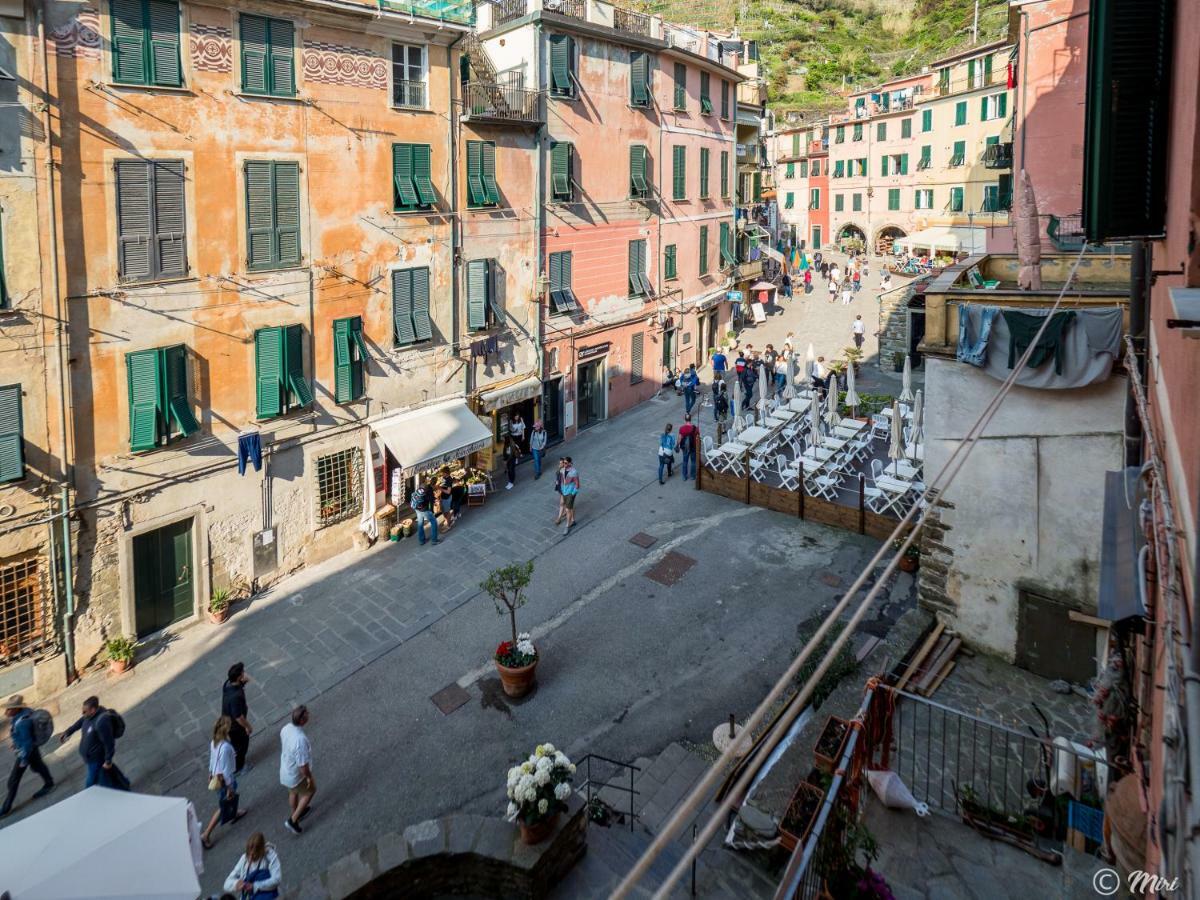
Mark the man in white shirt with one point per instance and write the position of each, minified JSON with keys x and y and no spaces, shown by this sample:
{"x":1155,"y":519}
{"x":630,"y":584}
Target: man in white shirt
{"x":859,"y":329}
{"x":295,"y":768}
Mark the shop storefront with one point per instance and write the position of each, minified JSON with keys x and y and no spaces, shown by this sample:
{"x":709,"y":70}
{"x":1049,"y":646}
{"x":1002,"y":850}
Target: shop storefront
{"x":591,"y":385}
{"x":503,"y":405}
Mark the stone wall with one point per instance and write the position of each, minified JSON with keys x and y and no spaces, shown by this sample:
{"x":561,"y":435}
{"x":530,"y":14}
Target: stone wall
{"x":893,"y":324}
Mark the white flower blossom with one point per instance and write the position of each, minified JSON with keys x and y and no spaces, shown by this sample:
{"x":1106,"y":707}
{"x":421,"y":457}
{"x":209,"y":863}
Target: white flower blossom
{"x":543,"y":805}
{"x":571,"y":768}
{"x":513,"y":809}
{"x":562,"y":791}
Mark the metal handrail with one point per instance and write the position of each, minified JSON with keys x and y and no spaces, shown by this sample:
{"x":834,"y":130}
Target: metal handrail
{"x":631,"y":22}
{"x":589,"y":782}
{"x":501,"y":102}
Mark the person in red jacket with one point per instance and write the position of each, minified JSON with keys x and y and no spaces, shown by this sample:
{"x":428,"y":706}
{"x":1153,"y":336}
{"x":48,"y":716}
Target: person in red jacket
{"x":688,"y":434}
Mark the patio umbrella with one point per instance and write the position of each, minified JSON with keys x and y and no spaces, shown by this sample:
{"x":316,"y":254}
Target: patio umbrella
{"x":831,"y":404}
{"x":814,"y":415}
{"x":851,"y":395}
{"x":906,"y":394}
{"x":101,"y":844}
{"x":896,"y":445}
{"x":789,"y":387}
{"x":737,"y":401}
{"x":809,"y":358}
{"x":918,"y":424}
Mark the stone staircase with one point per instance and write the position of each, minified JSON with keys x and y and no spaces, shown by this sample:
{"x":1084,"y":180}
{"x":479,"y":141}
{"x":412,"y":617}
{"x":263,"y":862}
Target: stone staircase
{"x":661,"y":785}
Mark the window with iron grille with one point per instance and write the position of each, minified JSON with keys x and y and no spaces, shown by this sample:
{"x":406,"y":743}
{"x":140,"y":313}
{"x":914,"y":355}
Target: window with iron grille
{"x":339,"y":486}
{"x":408,"y":76}
{"x":26,"y":619}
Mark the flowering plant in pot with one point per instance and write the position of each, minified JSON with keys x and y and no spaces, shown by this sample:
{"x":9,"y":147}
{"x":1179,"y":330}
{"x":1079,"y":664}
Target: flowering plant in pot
{"x":120,"y":652}
{"x":538,"y":790}
{"x":516,"y":659}
{"x":912,"y":555}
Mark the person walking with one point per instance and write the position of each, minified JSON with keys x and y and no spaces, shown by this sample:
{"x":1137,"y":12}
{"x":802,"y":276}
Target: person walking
{"x":847,"y":293}
{"x":233,"y":705}
{"x":787,"y":285}
{"x":719,"y":363}
{"x":691,"y":381}
{"x":223,"y":779}
{"x":808,"y":288}
{"x":570,"y":491}
{"x":24,"y":735}
{"x":858,"y":328}
{"x":720,"y":399}
{"x":688,"y":434}
{"x":781,"y":370}
{"x":258,"y":874}
{"x":833,"y":289}
{"x":511,"y":454}
{"x":98,"y":729}
{"x":885,"y":284}
{"x":857,"y":279}
{"x":421,"y":502}
{"x":295,"y":769}
{"x":537,"y":447}
{"x":666,"y":453}
{"x":559,"y":475}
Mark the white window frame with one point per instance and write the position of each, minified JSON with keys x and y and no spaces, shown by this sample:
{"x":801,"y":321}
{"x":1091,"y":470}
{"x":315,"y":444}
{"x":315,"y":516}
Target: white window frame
{"x":993,"y":107}
{"x":424,"y":80}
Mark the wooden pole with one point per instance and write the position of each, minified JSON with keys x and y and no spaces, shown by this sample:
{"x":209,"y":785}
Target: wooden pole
{"x":747,"y":462}
{"x":801,"y":462}
{"x":862,"y":504}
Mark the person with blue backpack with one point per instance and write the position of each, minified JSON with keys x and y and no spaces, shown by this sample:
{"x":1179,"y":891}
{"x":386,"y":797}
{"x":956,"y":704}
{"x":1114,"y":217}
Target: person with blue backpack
{"x":29,"y":730}
{"x":100,"y":728}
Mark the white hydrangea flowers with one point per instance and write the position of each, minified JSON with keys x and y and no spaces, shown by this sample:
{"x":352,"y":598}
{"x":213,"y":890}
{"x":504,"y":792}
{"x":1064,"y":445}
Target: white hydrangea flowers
{"x":539,"y":786}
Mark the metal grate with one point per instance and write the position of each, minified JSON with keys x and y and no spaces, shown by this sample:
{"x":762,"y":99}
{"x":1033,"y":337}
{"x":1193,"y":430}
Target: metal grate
{"x":26,"y":620}
{"x":339,"y":486}
{"x":408,"y":93}
{"x":670,"y":568}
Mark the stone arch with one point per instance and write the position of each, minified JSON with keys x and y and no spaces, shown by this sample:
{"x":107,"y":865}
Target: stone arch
{"x":851,"y":235}
{"x":886,"y":236}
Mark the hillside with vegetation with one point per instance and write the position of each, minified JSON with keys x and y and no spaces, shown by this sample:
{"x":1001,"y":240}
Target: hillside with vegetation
{"x":814,"y":49}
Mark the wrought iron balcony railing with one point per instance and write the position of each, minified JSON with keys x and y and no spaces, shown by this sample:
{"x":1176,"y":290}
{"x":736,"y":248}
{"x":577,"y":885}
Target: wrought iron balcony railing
{"x":501,"y":104}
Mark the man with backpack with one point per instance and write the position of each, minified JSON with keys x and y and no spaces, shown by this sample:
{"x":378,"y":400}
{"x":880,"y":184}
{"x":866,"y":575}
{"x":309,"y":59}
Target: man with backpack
{"x":29,"y":730}
{"x":100,"y":728}
{"x":422,"y":504}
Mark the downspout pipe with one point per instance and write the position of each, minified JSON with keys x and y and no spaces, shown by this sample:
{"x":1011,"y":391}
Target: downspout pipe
{"x":452,"y":73}
{"x":1139,"y":307}
{"x":539,"y":334}
{"x":60,"y":340}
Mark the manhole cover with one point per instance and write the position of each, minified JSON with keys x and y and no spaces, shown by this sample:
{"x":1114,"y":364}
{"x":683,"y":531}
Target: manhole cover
{"x":643,"y":540}
{"x":832,"y":580}
{"x":450,"y":698}
{"x":670,"y":568}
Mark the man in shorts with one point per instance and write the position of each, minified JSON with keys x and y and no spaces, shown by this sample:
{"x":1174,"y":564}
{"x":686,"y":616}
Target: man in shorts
{"x":570,"y":490}
{"x":295,"y":769}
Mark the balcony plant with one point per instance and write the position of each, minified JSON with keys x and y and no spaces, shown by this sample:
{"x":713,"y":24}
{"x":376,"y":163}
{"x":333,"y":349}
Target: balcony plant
{"x":800,"y":815}
{"x":119,"y":651}
{"x":218,"y":605}
{"x":538,"y":790}
{"x":516,"y":659}
{"x":828,"y":749}
{"x":838,"y":856}
{"x":910,"y":561}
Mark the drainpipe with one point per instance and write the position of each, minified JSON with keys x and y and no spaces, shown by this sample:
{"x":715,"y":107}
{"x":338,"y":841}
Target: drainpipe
{"x":539,"y":197}
{"x":1191,"y":680}
{"x":452,"y":73}
{"x":60,"y":338}
{"x":1139,"y":306}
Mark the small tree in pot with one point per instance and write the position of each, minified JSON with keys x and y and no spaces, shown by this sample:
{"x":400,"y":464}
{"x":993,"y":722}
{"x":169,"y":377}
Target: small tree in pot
{"x":516,"y":660}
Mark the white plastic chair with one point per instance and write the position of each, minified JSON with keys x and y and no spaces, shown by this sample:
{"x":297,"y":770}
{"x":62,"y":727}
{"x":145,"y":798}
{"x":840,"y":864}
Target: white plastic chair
{"x":824,"y":486}
{"x":881,"y":426}
{"x":788,"y":477}
{"x":876,"y":470}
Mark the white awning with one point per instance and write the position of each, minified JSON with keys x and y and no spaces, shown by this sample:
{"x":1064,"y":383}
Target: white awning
{"x":428,"y":437}
{"x":951,"y":238}
{"x":513,"y":393}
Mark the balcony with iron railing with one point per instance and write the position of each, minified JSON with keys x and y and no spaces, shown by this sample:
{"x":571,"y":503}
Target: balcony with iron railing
{"x":943,"y":88}
{"x":501,"y":104}
{"x":631,"y":22}
{"x":998,"y":156}
{"x":498,"y":13}
{"x":460,"y":12}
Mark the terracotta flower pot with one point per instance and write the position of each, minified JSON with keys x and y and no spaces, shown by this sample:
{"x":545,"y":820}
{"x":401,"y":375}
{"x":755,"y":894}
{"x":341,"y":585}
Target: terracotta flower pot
{"x":517,"y":682}
{"x":218,"y":615}
{"x":909,"y":563}
{"x":117,"y":666}
{"x":538,"y":831}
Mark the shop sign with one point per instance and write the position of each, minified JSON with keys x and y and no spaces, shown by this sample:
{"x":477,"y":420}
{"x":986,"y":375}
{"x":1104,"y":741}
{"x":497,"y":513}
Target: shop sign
{"x":733,"y":296}
{"x":594,"y":350}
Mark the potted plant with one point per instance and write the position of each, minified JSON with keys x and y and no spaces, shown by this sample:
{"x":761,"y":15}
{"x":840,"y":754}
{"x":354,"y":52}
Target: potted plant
{"x":800,"y":814}
{"x":910,"y":561}
{"x":218,"y":605}
{"x":828,"y":749}
{"x":898,"y":361}
{"x":837,"y":860}
{"x":537,"y":792}
{"x":120,"y":652}
{"x":395,"y":533}
{"x":516,"y":659}
{"x":854,"y":357}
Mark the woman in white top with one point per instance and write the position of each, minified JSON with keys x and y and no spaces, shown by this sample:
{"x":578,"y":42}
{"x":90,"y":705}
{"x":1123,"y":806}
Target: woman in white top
{"x":258,"y":873}
{"x":221,"y":778}
{"x":517,"y":429}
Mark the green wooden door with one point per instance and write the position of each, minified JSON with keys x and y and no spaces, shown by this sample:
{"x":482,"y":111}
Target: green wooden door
{"x":162,"y":577}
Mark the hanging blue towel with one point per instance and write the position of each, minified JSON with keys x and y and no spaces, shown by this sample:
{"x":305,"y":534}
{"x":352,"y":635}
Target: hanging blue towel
{"x":249,"y":450}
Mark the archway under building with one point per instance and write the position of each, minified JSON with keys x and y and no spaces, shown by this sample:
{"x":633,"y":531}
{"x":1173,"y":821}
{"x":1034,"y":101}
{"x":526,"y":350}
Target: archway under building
{"x":885,"y":239}
{"x":851,"y":237}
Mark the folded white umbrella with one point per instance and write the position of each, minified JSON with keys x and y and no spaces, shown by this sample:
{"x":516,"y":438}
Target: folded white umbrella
{"x":789,"y":389}
{"x":852,"y":400}
{"x":831,"y":404}
{"x":814,"y":415}
{"x":906,"y":393}
{"x":737,"y":402}
{"x":918,"y":420}
{"x":896,"y":445}
{"x":100,"y":844}
{"x":810,"y":357}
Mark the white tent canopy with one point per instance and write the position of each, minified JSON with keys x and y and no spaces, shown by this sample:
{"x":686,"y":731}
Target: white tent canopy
{"x":950,"y":238}
{"x":428,"y":437}
{"x":101,"y":844}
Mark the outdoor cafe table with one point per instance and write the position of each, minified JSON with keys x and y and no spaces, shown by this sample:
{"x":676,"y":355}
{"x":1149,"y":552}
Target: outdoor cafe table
{"x":799,"y":404}
{"x":902,"y":468}
{"x":752,"y":434}
{"x":849,"y":428}
{"x":895,"y":488}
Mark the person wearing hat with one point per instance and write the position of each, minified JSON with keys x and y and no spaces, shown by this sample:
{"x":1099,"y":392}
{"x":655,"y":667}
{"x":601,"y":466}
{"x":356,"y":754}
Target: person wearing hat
{"x":537,"y":447}
{"x":28,"y":755}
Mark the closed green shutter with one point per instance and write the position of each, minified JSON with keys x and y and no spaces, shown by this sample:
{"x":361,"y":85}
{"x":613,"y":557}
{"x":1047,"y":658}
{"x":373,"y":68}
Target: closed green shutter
{"x":636,"y":353}
{"x":179,"y":400}
{"x":724,"y":99}
{"x":343,"y":362}
{"x":405,"y":194}
{"x":757,"y":186}
{"x":170,"y":226}
{"x":144,"y":387}
{"x":639,"y":78}
{"x":956,"y":199}
{"x":883,"y":165}
{"x":680,"y":86}
{"x":166,"y":69}
{"x":260,"y":215}
{"x":422,"y":326}
{"x":135,"y":257}
{"x":987,"y":70}
{"x":487,"y":169}
{"x":960,"y":113}
{"x":268,"y":371}
{"x":703,"y":249}
{"x":287,"y":212}
{"x":555,"y":272}
{"x":254,"y":31}
{"x":1002,"y":104}
{"x":402,"y":319}
{"x":560,"y":170}
{"x":983,"y":109}
{"x":706,"y":106}
{"x":475,"y":189}
{"x":130,"y":41}
{"x":881,"y":131}
{"x":300,"y":392}
{"x":670,"y":262}
{"x":704,"y":173}
{"x":906,"y":128}
{"x":903,"y":163}
{"x":839,"y":202}
{"x":927,"y":120}
{"x":726,"y":245}
{"x":970,"y":73}
{"x":282,"y":57}
{"x":893,"y":198}
{"x":560,"y":66}
{"x":12,"y":442}
{"x":724,"y":174}
{"x":638,"y":185}
{"x":478,"y":280}
{"x":422,"y":174}
{"x":678,"y":173}
{"x":814,"y":201}
{"x":796,"y":143}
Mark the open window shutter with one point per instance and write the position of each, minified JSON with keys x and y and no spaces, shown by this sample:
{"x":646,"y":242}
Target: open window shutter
{"x":637,"y":171}
{"x":179,"y":402}
{"x":282,"y":52}
{"x":560,"y":170}
{"x":357,"y":366}
{"x":422,"y":174}
{"x":420,"y":304}
{"x":254,"y":54}
{"x":635,"y":282}
{"x":268,"y":367}
{"x":705,"y":99}
{"x":555,"y":275}
{"x":488,"y":169}
{"x":478,"y":196}
{"x":477,"y":291}
{"x":568,"y":284}
{"x":402,"y":170}
{"x":643,"y":271}
{"x":402,"y":326}
{"x":142,"y":369}
{"x":343,"y":358}
{"x":560,"y":63}
{"x":134,"y":219}
{"x":169,"y":222}
{"x":1002,"y":104}
{"x":260,"y":215}
{"x":130,"y":38}
{"x":639,"y":78}
{"x":287,"y":211}
{"x":903,"y":163}
{"x":679,"y":173}
{"x":12,"y":444}
{"x":165,"y":66}
{"x":294,"y":357}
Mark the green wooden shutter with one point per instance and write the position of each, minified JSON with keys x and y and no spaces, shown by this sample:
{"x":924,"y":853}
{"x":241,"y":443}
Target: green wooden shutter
{"x":1002,"y":105}
{"x":5,"y":298}
{"x":726,"y":248}
{"x":487,"y":164}
{"x":903,"y":163}
{"x":883,"y":165}
{"x":678,"y":173}
{"x":135,"y":258}
{"x":927,"y":120}
{"x":706,"y":106}
{"x":704,"y":173}
{"x":636,"y":355}
{"x":987,"y":70}
{"x":422,"y":174}
{"x":477,"y":293}
{"x":670,"y":264}
{"x":130,"y":41}
{"x":956,"y":199}
{"x":287,"y":212}
{"x":796,"y":144}
{"x":638,"y":185}
{"x":839,"y":202}
{"x":560,"y":65}
{"x":881,"y":131}
{"x":893,"y":198}
{"x":555,"y":267}
{"x":478,"y":196}
{"x":560,"y":170}
{"x":170,"y":225}
{"x":142,"y":369}
{"x":983,"y":109}
{"x":268,"y":371}
{"x":568,"y":279}
{"x":165,"y":66}
{"x":422,"y":326}
{"x":906,"y":128}
{"x":402,"y":320}
{"x":703,"y":249}
{"x":960,"y":113}
{"x":724,"y":99}
{"x":970,"y":73}
{"x":343,"y":362}
{"x":260,"y":215}
{"x":635,"y":283}
{"x":254,"y":39}
{"x":639,"y":78}
{"x":757,"y":186}
{"x":282,"y":72}
{"x":680,"y":86}
{"x":12,"y":442}
{"x":404,"y":195}
{"x":297,"y":383}
{"x":179,"y":399}
{"x":724,"y":174}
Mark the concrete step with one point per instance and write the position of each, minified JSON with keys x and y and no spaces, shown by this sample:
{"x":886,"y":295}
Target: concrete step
{"x":611,"y":853}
